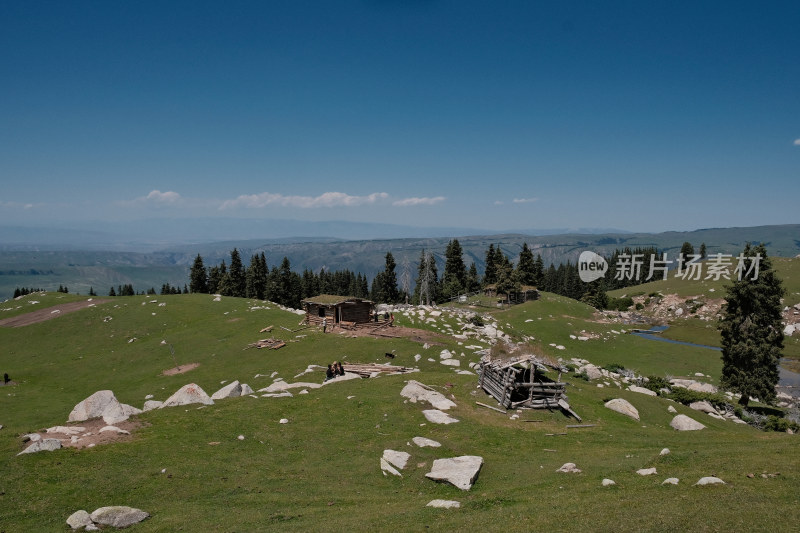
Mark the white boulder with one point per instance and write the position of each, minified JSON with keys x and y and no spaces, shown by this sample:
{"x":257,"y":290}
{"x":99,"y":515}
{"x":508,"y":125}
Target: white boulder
{"x":642,"y":390}
{"x":684,"y":423}
{"x":396,"y":459}
{"x":646,"y":471}
{"x":79,"y":519}
{"x":624,"y":407}
{"x":231,"y":390}
{"x":670,"y":481}
{"x":188,"y":394}
{"x":710,"y":480}
{"x":44,"y":445}
{"x":118,"y":516}
{"x":460,"y":472}
{"x":417,"y":392}
{"x":438,"y":417}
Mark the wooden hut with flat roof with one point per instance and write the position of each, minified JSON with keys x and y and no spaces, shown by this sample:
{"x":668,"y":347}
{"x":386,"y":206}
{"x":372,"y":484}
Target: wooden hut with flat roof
{"x":525,"y":294}
{"x":344,"y":310}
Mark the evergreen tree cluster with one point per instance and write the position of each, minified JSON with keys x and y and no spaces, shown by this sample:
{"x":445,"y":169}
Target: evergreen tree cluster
{"x":24,"y":291}
{"x":278,"y":284}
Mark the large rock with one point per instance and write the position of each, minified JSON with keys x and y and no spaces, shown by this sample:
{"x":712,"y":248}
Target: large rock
{"x":94,"y":406}
{"x":44,"y":445}
{"x":591,"y":371}
{"x":460,"y":472}
{"x":118,"y":516}
{"x":789,"y":330}
{"x":188,"y":394}
{"x":703,"y":407}
{"x":246,"y":389}
{"x":386,"y":466}
{"x":417,"y":392}
{"x":119,"y":413}
{"x":438,"y":417}
{"x":149,"y":405}
{"x":624,"y":407}
{"x":79,"y":519}
{"x":396,"y":459}
{"x":231,"y":390}
{"x":684,"y":423}
{"x":282,"y":386}
{"x":642,"y":390}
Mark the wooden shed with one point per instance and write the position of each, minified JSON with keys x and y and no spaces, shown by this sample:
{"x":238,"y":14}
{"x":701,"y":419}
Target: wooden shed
{"x":526,"y":293}
{"x":337,"y":309}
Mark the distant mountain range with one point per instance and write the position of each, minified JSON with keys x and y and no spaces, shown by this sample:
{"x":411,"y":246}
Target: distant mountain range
{"x":79,"y":266}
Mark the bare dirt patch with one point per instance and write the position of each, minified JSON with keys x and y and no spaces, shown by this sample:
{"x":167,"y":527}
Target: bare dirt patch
{"x":182,"y":369}
{"x":40,"y":315}
{"x":91,"y":435}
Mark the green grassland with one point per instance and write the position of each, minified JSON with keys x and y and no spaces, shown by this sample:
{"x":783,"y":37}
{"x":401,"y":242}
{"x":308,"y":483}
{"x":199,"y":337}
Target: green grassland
{"x":320,"y":472}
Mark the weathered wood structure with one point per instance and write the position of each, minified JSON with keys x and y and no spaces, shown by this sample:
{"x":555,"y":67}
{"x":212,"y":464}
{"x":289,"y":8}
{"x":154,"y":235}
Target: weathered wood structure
{"x":520,"y":383}
{"x":344,"y":310}
{"x":523,"y":295}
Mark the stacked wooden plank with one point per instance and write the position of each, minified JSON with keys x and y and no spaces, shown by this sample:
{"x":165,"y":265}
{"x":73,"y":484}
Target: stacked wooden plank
{"x":517,"y":384}
{"x":366,"y":370}
{"x":271,"y":343}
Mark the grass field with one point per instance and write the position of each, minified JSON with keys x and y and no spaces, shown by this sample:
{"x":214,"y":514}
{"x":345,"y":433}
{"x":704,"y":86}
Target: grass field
{"x":320,"y":472}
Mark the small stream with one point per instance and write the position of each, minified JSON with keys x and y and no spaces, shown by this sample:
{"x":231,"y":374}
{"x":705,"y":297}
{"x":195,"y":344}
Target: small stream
{"x":787,"y":377}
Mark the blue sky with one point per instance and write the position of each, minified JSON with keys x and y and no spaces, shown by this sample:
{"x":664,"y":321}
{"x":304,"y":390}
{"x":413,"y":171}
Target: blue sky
{"x":498,"y":115}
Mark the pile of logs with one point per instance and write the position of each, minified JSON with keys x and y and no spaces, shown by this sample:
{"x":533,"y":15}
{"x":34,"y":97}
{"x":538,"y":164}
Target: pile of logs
{"x":271,"y":343}
{"x":517,"y":384}
{"x":366,"y":370}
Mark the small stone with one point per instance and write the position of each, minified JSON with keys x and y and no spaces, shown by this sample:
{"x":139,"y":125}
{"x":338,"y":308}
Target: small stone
{"x":422,"y":442}
{"x":608,"y":482}
{"x":48,"y":445}
{"x":670,"y":481}
{"x":118,"y":516}
{"x":646,"y":471}
{"x":569,"y":468}
{"x":284,"y":421}
{"x":665,"y":451}
{"x":240,"y":437}
{"x":438,"y":417}
{"x":444,"y":504}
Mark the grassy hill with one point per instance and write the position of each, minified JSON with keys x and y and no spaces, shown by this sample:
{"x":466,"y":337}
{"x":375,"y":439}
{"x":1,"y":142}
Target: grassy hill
{"x":321,"y":470}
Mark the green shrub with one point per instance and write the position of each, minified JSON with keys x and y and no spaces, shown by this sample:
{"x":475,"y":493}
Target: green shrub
{"x":639,"y":307}
{"x":476,"y":320}
{"x":619,"y":304}
{"x":614,"y":367}
{"x":776,"y":423}
{"x":656,"y":383}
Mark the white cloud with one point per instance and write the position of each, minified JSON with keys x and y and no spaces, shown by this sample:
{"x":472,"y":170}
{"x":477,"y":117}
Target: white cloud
{"x":158,"y":197}
{"x":405,"y":202}
{"x":797,"y":142}
{"x":328,"y":199}
{"x":524,"y":200}
{"x":498,"y":202}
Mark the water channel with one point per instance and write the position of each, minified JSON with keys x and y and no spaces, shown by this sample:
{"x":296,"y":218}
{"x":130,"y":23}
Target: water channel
{"x":787,"y":377}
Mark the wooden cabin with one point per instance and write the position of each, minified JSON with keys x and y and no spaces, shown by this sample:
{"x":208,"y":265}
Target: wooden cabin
{"x":525,"y":294}
{"x":345,"y":310}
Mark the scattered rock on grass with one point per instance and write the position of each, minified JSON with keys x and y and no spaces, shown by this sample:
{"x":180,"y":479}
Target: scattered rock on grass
{"x":460,"y":472}
{"x":44,"y":445}
{"x":79,"y":519}
{"x":670,"y":481}
{"x":417,"y":392}
{"x":710,"y":480}
{"x":231,"y":390}
{"x":422,"y":442}
{"x":684,"y":423}
{"x":624,"y":407}
{"x":188,"y":394}
{"x":444,"y":504}
{"x":118,"y":516}
{"x":646,"y":471}
{"x":569,"y":468}
{"x":438,"y":417}
{"x":396,"y":459}
{"x":608,"y":482}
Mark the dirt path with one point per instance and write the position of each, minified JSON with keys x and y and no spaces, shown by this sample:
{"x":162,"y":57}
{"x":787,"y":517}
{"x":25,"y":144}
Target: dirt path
{"x":40,"y":315}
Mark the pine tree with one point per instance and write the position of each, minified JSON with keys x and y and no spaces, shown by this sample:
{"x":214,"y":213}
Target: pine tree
{"x":538,"y":271}
{"x":702,"y":251}
{"x":751,"y":330}
{"x":198,"y":280}
{"x":236,"y":282}
{"x":112,"y":292}
{"x":455,"y":273}
{"x":472,"y":283}
{"x":490,"y":271}
{"x":526,"y":267}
